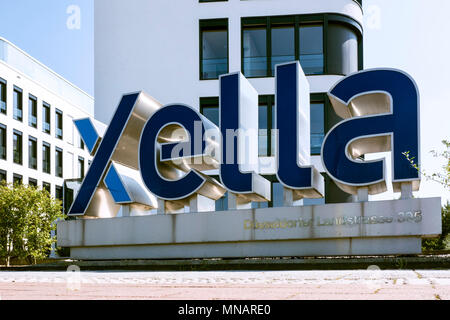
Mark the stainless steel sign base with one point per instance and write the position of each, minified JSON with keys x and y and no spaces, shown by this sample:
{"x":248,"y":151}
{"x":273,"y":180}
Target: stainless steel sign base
{"x":362,"y":228}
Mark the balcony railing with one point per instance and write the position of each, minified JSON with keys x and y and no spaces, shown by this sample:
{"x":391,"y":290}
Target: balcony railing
{"x":17,"y":114}
{"x":32,"y":121}
{"x":59,"y":133}
{"x":46,"y":127}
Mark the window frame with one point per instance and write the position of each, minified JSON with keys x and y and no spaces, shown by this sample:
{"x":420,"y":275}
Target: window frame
{"x":45,"y":105}
{"x":4,"y":83}
{"x":31,"y":138}
{"x":298,"y":21}
{"x":46,"y":144}
{"x":212,"y":24}
{"x":5,"y":141}
{"x":61,"y":189}
{"x":32,"y":182}
{"x":81,"y":161}
{"x":59,"y":150}
{"x":45,"y":185}
{"x":20,"y":92}
{"x":18,"y":134}
{"x":269,"y":101}
{"x":35,"y":99}
{"x":208,"y":102}
{"x":17,"y":176}
{"x":60,"y":113}
{"x":321,"y":98}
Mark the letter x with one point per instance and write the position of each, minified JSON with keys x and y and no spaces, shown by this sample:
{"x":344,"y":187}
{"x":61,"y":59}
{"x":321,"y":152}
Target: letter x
{"x":101,"y":168}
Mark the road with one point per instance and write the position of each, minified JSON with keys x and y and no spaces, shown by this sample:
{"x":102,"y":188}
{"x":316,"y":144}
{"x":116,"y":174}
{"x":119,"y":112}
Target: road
{"x":245,"y":285}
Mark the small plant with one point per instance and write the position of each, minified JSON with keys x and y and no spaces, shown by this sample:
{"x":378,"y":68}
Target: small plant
{"x":400,"y":263}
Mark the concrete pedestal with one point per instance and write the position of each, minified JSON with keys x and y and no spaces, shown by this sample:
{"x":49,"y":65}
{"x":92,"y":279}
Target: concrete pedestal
{"x":363,"y":228}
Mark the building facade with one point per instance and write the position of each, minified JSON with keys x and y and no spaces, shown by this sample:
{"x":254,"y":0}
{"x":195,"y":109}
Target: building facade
{"x":39,"y":144}
{"x":176,"y":50}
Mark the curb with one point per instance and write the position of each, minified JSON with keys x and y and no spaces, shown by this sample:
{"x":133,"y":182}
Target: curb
{"x":262,"y":264}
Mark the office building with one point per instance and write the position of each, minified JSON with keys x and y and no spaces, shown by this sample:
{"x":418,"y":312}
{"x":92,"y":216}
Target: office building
{"x":39,"y":144}
{"x":176,"y":50}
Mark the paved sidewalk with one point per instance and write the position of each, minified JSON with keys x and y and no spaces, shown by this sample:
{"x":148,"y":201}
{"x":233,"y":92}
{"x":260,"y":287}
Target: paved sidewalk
{"x":281,"y":285}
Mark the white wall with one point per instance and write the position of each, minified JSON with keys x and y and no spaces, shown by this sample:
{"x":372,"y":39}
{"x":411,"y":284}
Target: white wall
{"x":154,"y":46}
{"x":70,"y":142}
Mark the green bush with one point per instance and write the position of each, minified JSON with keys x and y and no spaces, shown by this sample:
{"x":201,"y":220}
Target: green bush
{"x":441,"y":242}
{"x":27,"y":217}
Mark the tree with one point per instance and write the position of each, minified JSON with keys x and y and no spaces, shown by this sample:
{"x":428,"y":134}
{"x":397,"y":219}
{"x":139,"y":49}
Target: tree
{"x":27,"y":217}
{"x":440,"y":243}
{"x":442,"y":178}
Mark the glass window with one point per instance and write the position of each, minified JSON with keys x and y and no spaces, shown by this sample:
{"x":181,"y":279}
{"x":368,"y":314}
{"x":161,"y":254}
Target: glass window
{"x":58,"y":162}
{"x":2,"y":176}
{"x":311,"y":49}
{"x":262,"y":132}
{"x":32,"y":112}
{"x":46,"y":118}
{"x":258,"y":205}
{"x":212,"y":113}
{"x":2,"y":142}
{"x":59,"y":193}
{"x":222,"y":203}
{"x":283,"y":45}
{"x":273,"y":133}
{"x":342,"y":49}
{"x":45,"y":157}
{"x":59,"y":124}
{"x":17,"y":147}
{"x":313,"y":202}
{"x":2,"y":96}
{"x":81,"y":143}
{"x":277,"y":195}
{"x":81,"y":167}
{"x":17,"y":178}
{"x":266,"y":124}
{"x":46,"y":186}
{"x":32,"y":153}
{"x":317,"y":127}
{"x":32,"y":182}
{"x":209,"y":107}
{"x":255,"y":52}
{"x":214,"y":55}
{"x":18,"y":104}
{"x":303,"y":38}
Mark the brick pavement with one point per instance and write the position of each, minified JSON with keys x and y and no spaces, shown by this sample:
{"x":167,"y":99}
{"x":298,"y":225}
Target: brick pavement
{"x":238,"y":285}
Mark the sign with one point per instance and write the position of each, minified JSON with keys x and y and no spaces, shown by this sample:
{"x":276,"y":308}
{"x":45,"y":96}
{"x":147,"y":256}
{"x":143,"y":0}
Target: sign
{"x":367,"y":228}
{"x":167,"y":149}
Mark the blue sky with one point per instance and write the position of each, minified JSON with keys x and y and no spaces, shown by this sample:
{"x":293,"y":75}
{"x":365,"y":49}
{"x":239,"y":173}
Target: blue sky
{"x":40,"y":29}
{"x":411,"y":35}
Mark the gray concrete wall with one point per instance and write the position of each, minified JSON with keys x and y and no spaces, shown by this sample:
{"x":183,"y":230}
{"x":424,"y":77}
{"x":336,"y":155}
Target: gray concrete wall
{"x":378,"y":227}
